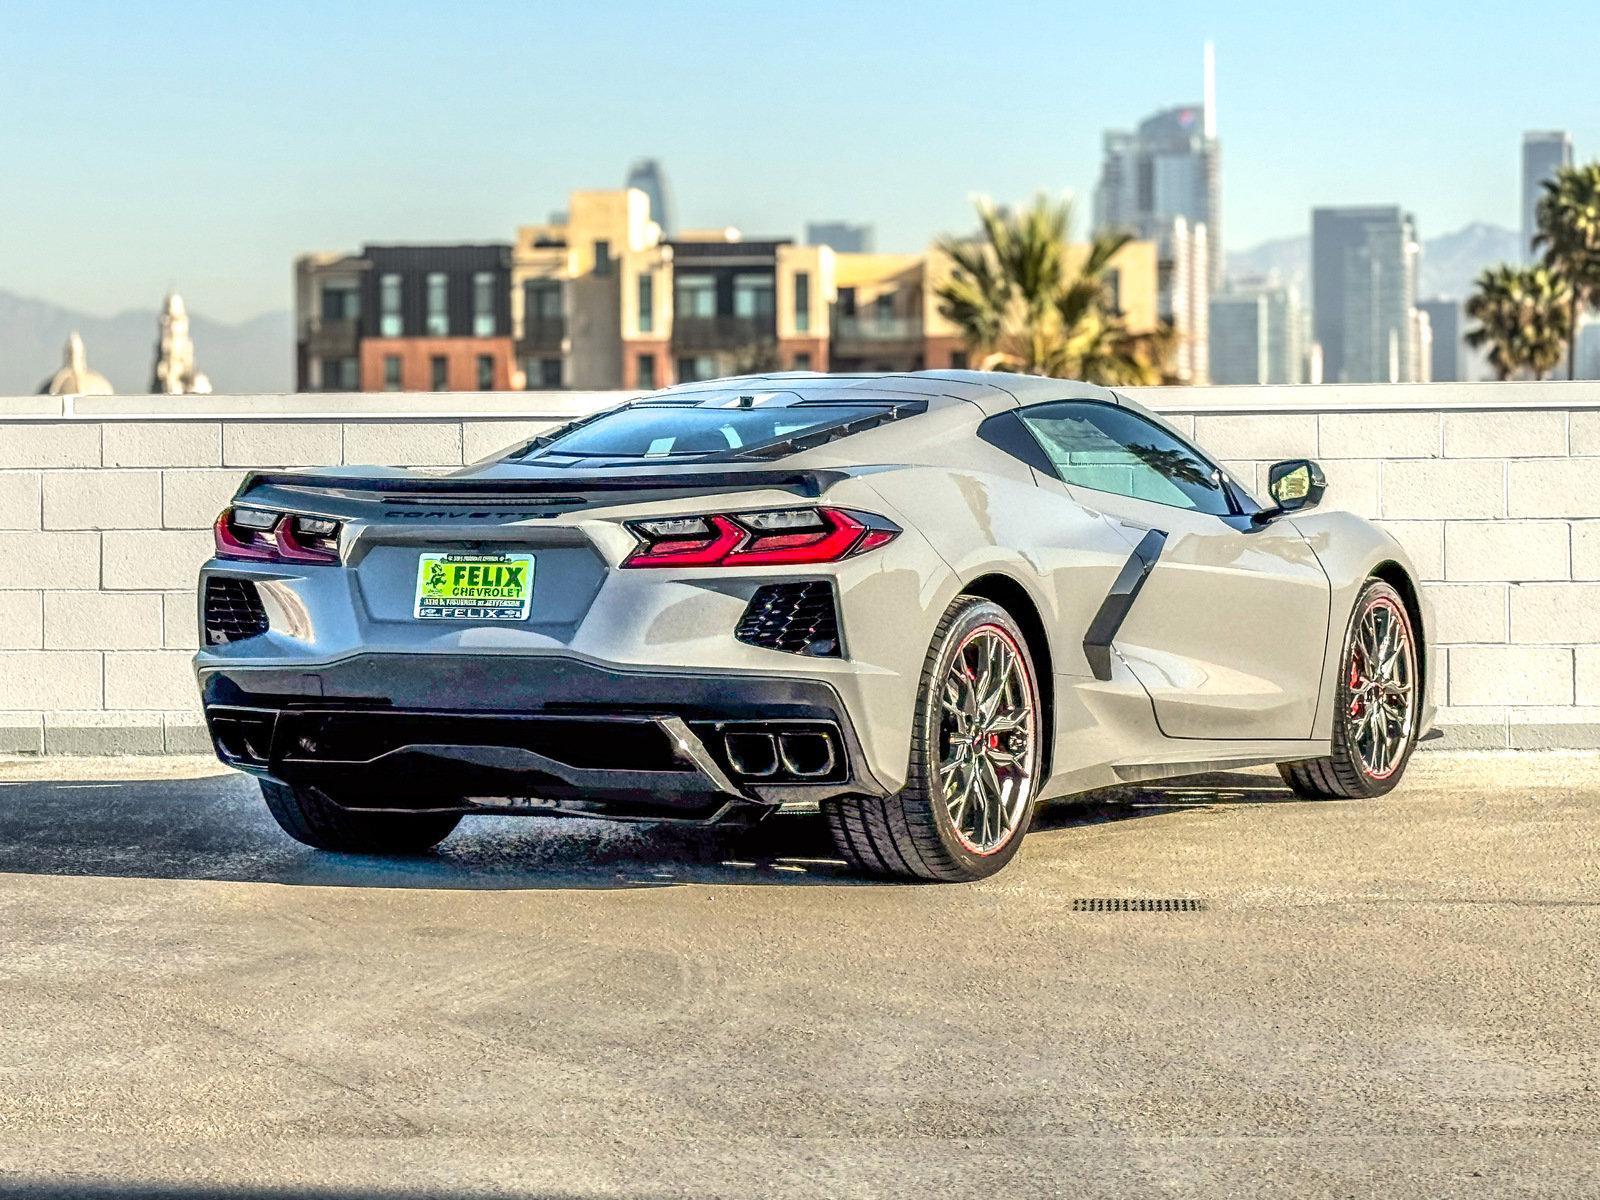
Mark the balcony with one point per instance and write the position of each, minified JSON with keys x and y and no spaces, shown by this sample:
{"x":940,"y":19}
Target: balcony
{"x":867,"y":327}
{"x":542,"y":335}
{"x":721,"y":333}
{"x":333,"y":336}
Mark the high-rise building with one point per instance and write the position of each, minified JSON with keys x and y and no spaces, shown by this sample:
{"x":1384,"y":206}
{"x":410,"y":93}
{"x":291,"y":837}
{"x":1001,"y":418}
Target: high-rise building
{"x":1445,"y":317}
{"x":841,"y":236}
{"x":1544,"y":152}
{"x":1183,"y":295}
{"x":1169,"y":167}
{"x":650,"y":177}
{"x":1257,"y":334}
{"x":1363,"y":294}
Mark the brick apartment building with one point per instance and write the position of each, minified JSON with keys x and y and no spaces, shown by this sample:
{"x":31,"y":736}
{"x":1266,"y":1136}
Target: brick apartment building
{"x":601,"y":300}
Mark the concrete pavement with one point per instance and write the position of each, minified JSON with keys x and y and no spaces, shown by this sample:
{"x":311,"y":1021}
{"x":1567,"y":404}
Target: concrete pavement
{"x":1397,"y":997}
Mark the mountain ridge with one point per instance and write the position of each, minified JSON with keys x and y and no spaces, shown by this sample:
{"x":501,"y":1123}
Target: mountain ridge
{"x":1450,"y":261}
{"x":256,"y":355}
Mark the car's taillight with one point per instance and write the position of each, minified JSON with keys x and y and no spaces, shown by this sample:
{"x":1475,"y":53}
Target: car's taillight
{"x":777,"y":537}
{"x":254,"y":534}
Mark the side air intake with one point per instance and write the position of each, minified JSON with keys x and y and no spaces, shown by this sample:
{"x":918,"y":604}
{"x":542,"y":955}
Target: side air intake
{"x":797,"y":618}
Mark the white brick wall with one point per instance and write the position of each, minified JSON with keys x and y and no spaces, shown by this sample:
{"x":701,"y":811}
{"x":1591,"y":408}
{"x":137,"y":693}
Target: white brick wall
{"x":1493,"y":490}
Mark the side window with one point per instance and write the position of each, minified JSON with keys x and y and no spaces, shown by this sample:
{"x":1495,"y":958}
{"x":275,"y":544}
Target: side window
{"x":1110,"y":449}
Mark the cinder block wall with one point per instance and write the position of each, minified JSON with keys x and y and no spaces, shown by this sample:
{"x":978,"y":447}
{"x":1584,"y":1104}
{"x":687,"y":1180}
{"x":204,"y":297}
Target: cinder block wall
{"x":106,"y":504}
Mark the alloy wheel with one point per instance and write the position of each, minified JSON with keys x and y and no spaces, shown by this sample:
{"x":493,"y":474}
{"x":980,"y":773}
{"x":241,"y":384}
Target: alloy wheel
{"x":1382,"y":688}
{"x":987,"y":732}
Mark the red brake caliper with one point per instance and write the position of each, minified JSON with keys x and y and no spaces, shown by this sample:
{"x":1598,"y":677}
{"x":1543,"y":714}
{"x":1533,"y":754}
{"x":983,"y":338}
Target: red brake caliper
{"x":1355,"y":679}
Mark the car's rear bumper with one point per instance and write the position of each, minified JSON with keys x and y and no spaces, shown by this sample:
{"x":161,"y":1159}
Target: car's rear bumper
{"x":547,"y":734}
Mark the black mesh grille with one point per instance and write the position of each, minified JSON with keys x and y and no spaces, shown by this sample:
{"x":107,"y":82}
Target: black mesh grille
{"x":233,"y":611}
{"x":799,"y":618}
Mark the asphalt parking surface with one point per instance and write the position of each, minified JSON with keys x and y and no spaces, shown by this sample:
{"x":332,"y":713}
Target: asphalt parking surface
{"x":1397,"y":997}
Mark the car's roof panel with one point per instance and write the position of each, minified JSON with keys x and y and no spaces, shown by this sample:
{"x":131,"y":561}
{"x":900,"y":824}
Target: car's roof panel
{"x":990,"y":391}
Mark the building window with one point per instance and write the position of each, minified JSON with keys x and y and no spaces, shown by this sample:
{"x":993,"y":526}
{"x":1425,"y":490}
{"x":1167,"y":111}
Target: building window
{"x":438,"y":318}
{"x":1111,"y":281}
{"x":647,"y":302}
{"x":602,"y":256}
{"x":550,"y":372}
{"x":391,"y":372}
{"x":883,"y":307}
{"x":341,"y":375}
{"x":390,"y":321}
{"x":802,"y":360}
{"x":958,"y":360}
{"x":693,"y":368}
{"x":541,"y":301}
{"x":647,"y":371}
{"x":483,"y":304}
{"x":438,"y":372}
{"x":847,"y":302}
{"x":340,"y":302}
{"x":752,"y":296}
{"x":802,"y":301}
{"x":694,"y":296}
{"x":486,"y":372}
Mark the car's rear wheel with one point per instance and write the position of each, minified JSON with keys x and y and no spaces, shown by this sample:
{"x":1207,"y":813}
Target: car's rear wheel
{"x":309,"y":816}
{"x":975,"y":759}
{"x":1377,"y":704}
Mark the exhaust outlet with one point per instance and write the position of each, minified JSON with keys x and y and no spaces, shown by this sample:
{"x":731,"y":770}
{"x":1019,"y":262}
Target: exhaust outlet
{"x":752,"y":755}
{"x":806,"y":755}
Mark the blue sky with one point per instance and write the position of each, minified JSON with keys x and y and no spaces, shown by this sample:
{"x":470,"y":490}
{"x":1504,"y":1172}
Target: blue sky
{"x":201,"y":146}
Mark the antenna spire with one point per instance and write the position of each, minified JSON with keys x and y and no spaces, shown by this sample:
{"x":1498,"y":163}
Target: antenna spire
{"x":1210,"y":103}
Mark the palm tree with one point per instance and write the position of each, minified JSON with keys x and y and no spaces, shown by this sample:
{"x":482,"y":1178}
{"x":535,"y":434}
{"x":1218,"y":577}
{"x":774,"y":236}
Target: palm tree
{"x":1569,"y":235}
{"x":1022,"y":305}
{"x":1522,"y":315}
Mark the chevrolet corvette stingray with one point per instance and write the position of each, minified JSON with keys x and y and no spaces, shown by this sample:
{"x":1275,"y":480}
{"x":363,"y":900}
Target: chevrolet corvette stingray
{"x":920,"y":603}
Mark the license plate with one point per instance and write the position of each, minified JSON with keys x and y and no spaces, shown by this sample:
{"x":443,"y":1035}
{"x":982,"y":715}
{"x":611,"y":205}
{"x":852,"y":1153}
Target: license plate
{"x":474,"y":587}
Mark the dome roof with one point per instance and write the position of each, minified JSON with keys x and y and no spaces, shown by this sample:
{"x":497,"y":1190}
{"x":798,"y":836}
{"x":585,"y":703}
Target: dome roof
{"x":76,"y":377}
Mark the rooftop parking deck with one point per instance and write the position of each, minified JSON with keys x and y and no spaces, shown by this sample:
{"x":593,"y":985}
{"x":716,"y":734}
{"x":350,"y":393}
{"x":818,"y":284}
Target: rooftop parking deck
{"x":1391,"y":997}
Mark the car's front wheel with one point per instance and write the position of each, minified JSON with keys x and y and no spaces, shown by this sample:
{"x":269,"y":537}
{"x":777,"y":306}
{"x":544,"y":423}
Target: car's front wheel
{"x":975,"y":759}
{"x":309,"y":816}
{"x":1378,"y":701}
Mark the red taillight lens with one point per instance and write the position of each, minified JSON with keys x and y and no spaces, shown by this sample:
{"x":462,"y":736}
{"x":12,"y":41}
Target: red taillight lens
{"x":256,"y":535}
{"x":779,"y":537}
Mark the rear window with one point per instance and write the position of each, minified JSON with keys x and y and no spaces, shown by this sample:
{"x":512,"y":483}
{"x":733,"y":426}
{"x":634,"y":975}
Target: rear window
{"x":644,"y":431}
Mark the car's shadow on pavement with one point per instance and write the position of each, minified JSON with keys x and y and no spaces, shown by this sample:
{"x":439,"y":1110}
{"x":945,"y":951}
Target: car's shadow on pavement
{"x":217,"y":828}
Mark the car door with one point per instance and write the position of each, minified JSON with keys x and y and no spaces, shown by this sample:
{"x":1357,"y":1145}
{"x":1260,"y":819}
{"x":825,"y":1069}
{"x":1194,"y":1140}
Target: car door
{"x":1223,"y":621}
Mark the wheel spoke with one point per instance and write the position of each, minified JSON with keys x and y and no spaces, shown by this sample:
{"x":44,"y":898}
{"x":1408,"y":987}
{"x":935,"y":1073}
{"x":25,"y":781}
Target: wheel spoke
{"x":1382,"y":694}
{"x":986,"y":756}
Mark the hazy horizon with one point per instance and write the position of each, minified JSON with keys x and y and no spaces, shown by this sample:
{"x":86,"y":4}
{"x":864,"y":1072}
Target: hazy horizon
{"x":197,"y":147}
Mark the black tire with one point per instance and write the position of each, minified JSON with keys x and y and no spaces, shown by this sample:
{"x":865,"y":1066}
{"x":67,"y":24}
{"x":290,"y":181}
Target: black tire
{"x":1344,"y":774}
{"x":308,"y":816}
{"x":912,"y":835}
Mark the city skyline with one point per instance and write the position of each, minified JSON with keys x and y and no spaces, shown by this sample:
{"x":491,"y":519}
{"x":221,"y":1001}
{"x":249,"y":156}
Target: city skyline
{"x":200,"y":158}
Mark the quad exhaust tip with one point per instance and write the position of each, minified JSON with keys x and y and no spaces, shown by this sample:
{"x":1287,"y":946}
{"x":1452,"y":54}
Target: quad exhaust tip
{"x":797,"y":754}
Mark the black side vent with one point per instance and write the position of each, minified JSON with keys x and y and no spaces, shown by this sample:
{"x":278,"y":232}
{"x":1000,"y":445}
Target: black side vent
{"x":798,"y":618}
{"x":233,"y":611}
{"x":1137,"y":904}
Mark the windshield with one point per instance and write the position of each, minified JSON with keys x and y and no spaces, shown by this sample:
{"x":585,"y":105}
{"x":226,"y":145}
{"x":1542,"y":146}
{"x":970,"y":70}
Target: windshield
{"x":661,"y":431}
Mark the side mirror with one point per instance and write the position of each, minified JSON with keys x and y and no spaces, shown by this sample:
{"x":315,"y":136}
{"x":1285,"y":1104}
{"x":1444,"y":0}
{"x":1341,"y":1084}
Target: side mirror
{"x":1294,"y":484}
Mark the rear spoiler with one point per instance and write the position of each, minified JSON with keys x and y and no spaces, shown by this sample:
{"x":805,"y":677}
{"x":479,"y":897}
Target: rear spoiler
{"x":433,"y":488}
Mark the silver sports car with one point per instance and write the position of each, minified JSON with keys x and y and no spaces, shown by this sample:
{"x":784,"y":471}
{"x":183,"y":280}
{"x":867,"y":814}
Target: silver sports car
{"x":923,"y":603}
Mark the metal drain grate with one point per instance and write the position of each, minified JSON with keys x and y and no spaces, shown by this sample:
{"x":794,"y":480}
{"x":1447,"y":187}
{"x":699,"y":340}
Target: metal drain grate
{"x":1137,"y":904}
